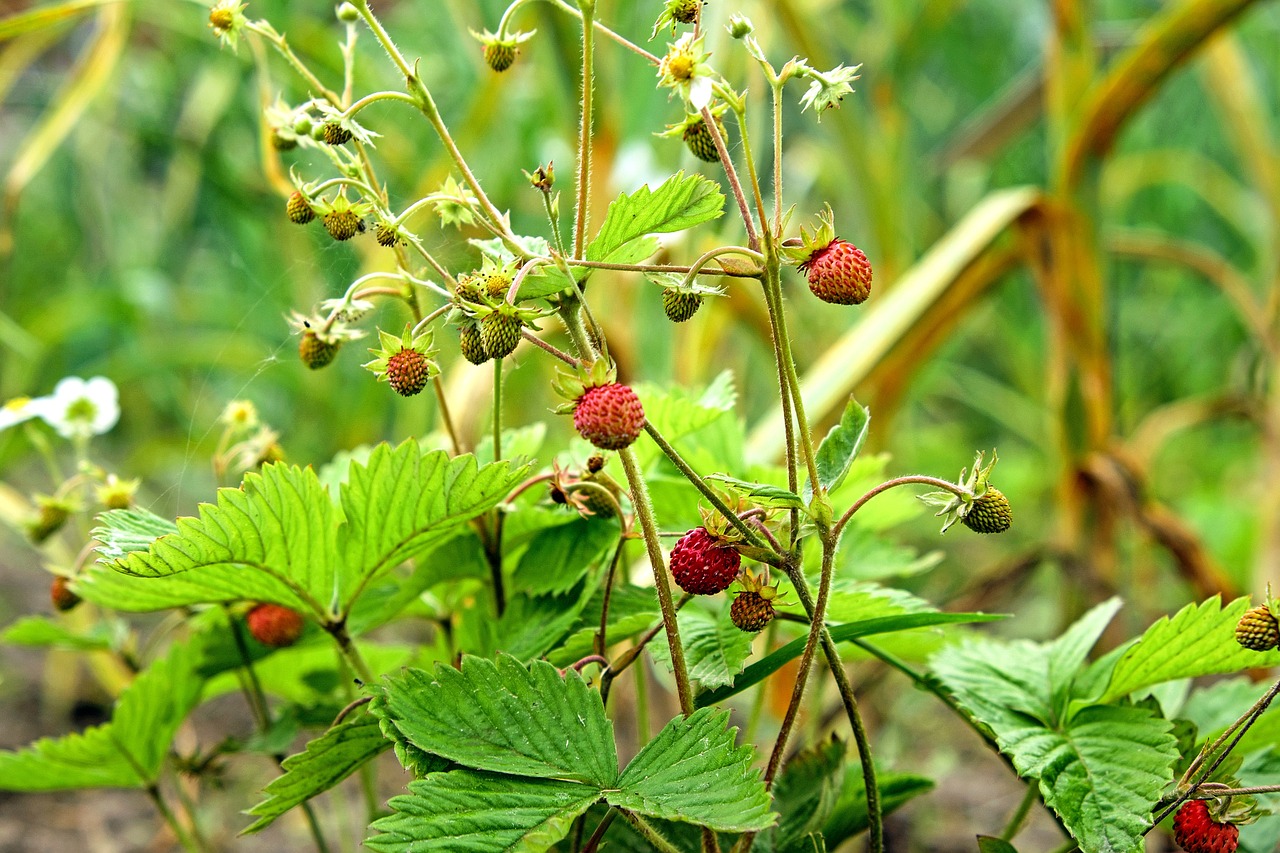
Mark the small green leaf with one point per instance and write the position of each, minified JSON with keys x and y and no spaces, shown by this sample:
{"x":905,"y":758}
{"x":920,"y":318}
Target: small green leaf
{"x":632,"y":609}
{"x":680,"y":202}
{"x":761,"y":494}
{"x":714,"y":648}
{"x":559,"y":557}
{"x":504,"y":717}
{"x":840,"y":447}
{"x":40,"y":631}
{"x":481,"y":812}
{"x":1198,"y":640}
{"x":128,"y":751}
{"x":327,"y":760}
{"x":692,"y":772}
{"x":766,"y":666}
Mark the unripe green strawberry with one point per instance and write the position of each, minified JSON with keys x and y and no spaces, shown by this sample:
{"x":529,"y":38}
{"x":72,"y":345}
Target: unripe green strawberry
{"x":386,"y":235}
{"x":990,"y":513}
{"x":751,"y":611}
{"x":274,"y":625}
{"x":314,"y":352}
{"x":407,"y":372}
{"x":839,"y":273}
{"x":1258,"y":629}
{"x":499,"y":55}
{"x":283,"y":141}
{"x":62,"y":595}
{"x":609,"y":416}
{"x":701,"y":565}
{"x":500,"y":333}
{"x":680,"y":305}
{"x":342,"y":224}
{"x":472,"y":346}
{"x":298,"y":209}
{"x":334,"y":133}
{"x":698,"y":139}
{"x":686,"y":11}
{"x":1196,"y":831}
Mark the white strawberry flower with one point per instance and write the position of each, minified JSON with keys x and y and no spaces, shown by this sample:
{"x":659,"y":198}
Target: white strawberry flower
{"x":80,"y":408}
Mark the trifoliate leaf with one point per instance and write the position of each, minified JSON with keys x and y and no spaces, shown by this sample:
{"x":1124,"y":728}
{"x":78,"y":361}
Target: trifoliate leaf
{"x":1198,"y":640}
{"x":840,"y":447}
{"x":481,"y":812}
{"x":126,"y":752}
{"x":714,"y":648}
{"x":692,"y":772}
{"x":505,"y":717}
{"x":327,"y":760}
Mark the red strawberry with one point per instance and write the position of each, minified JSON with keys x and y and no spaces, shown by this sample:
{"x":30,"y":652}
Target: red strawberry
{"x":1197,"y":832}
{"x":609,"y":416}
{"x":837,"y":270}
{"x":701,"y":565}
{"x":407,"y":372}
{"x":62,"y":595}
{"x":274,"y":625}
{"x":839,"y":274}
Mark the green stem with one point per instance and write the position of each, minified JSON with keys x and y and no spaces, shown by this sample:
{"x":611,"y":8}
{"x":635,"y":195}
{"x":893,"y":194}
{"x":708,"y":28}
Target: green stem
{"x":180,"y":832}
{"x":675,"y":268}
{"x":707,"y":257}
{"x":749,"y":159}
{"x":583,"y":183}
{"x":593,"y":843}
{"x":692,"y":476}
{"x":649,"y":834}
{"x":731,"y":174}
{"x":629,"y":45}
{"x":554,"y":219}
{"x":917,"y":479}
{"x":649,"y":529}
{"x":281,"y":45}
{"x":780,"y":355}
{"x":349,"y":651}
{"x":1019,"y":817}
{"x":777,"y":159}
{"x":773,"y":288}
{"x":495,"y":544}
{"x":374,"y":98}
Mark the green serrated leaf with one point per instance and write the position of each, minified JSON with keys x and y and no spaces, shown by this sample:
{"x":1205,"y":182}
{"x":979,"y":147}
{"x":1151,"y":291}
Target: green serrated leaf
{"x":680,"y":202}
{"x":504,"y":717}
{"x":761,"y":494}
{"x":128,"y":751}
{"x":120,"y":532}
{"x":481,"y":812}
{"x":840,"y":447}
{"x":804,"y":796}
{"x":41,"y":631}
{"x":559,"y":557}
{"x":1198,"y":640}
{"x":530,"y":626}
{"x":714,"y":648}
{"x":770,"y":664}
{"x":325,"y":762}
{"x":403,"y":502}
{"x":692,"y":772}
{"x":1068,"y":652}
{"x":1102,"y":774}
{"x":273,"y":539}
{"x":849,"y":816}
{"x":632,"y":609}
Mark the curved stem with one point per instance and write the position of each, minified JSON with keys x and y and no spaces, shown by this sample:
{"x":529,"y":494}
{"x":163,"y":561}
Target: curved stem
{"x":707,"y":257}
{"x":1019,"y":816}
{"x":749,"y":159}
{"x":675,"y":268}
{"x":550,"y":348}
{"x":629,"y":45}
{"x":753,"y":239}
{"x":649,"y":529}
{"x":374,"y":98}
{"x":281,"y":45}
{"x":917,"y":479}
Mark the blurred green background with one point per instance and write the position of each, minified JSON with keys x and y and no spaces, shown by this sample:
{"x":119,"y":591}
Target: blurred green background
{"x":142,"y":238}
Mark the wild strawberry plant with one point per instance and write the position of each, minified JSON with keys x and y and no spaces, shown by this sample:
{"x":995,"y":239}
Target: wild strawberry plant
{"x":545,"y":575}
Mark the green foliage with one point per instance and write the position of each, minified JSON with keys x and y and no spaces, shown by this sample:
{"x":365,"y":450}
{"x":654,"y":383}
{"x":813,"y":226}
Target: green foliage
{"x":125,"y":753}
{"x":40,"y":631}
{"x":715,"y":649}
{"x":327,"y":760}
{"x":840,"y":447}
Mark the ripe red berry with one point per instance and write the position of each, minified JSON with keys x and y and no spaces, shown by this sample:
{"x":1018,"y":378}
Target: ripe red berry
{"x":407,"y":372}
{"x":839,"y":273}
{"x":274,"y":625}
{"x":1196,"y":831}
{"x":61,"y":594}
{"x":702,"y":566}
{"x":609,"y":416}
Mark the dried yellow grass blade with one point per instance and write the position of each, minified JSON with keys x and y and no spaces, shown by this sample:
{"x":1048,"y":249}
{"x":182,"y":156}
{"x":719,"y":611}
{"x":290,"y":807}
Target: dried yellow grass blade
{"x":1160,"y":46}
{"x":83,"y":84}
{"x":45,"y":16}
{"x":887,"y":320}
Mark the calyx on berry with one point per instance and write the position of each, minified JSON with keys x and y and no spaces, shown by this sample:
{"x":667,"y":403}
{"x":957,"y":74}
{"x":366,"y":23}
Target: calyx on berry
{"x":681,"y":299}
{"x":500,"y":49}
{"x":406,"y":362}
{"x":956,"y":507}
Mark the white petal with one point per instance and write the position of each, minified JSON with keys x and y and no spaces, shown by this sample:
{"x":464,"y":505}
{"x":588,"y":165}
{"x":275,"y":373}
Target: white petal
{"x":700,"y":92}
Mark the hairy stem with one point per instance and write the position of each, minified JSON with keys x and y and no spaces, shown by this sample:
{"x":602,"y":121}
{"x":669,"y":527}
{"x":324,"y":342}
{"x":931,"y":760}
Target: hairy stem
{"x":583,"y":183}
